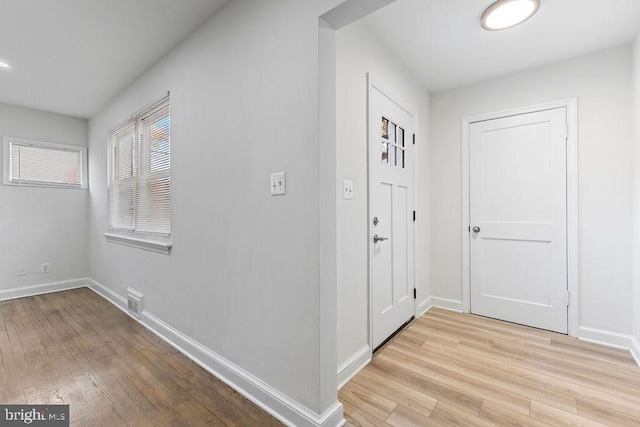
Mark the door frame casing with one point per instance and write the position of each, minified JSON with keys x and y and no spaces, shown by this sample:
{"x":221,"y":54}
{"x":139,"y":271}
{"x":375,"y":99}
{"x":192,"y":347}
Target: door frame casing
{"x":372,"y":83}
{"x":571,"y":104}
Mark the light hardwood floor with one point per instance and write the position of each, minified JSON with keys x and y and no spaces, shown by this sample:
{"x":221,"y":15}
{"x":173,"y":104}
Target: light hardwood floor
{"x":449,"y":369}
{"x":75,"y":348}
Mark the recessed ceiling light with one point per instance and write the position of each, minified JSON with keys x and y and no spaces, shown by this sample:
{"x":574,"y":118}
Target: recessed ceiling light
{"x":4,"y":65}
{"x":505,"y":14}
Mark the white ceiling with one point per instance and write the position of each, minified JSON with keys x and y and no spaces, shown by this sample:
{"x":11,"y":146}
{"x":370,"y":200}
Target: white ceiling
{"x":443,"y":44}
{"x":72,"y":56}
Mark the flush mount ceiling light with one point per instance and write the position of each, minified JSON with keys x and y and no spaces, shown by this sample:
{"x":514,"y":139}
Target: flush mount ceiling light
{"x":4,"y":65}
{"x":505,"y":14}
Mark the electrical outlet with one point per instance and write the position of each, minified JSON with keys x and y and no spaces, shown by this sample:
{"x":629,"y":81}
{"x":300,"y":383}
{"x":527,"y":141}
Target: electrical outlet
{"x":278,"y":183}
{"x":44,"y":267}
{"x":22,"y":270}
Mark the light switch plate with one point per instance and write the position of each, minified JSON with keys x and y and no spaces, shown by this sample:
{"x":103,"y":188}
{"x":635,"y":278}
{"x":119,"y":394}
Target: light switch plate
{"x":347,"y":189}
{"x":278,"y":183}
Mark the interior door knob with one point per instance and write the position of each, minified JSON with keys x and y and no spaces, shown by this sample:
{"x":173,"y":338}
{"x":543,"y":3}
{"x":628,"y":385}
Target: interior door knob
{"x":476,"y":229}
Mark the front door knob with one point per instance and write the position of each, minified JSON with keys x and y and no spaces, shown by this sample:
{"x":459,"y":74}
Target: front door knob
{"x":377,"y":239}
{"x":476,"y":229}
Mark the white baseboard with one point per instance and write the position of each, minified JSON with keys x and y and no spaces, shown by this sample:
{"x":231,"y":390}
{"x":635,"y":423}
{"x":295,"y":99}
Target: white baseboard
{"x":108,"y":294}
{"x":611,"y":339}
{"x":447,"y":304}
{"x":262,"y":394}
{"x":424,"y":306}
{"x":46,"y":288}
{"x":608,"y":338}
{"x":350,"y":367}
{"x":635,"y":349}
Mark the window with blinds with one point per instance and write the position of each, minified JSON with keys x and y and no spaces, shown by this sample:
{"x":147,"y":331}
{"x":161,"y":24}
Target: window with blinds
{"x":43,"y":164}
{"x":139,"y":173}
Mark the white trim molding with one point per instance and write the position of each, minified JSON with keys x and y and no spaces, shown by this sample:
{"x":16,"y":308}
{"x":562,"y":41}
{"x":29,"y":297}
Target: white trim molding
{"x":445,"y":303}
{"x":46,"y":288}
{"x":604,"y":337}
{"x":136,"y":242}
{"x":635,"y":349}
{"x":424,"y":306}
{"x":354,"y":364}
{"x":571,"y":104}
{"x":108,"y":294}
{"x":253,"y":388}
{"x":611,"y":339}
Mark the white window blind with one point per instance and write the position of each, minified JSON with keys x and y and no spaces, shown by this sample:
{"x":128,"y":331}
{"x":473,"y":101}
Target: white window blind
{"x":37,"y":163}
{"x":139,"y":178}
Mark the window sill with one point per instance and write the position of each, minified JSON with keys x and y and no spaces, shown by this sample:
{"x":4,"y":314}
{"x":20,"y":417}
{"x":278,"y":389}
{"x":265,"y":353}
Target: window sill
{"x":136,"y":242}
{"x":44,"y":185}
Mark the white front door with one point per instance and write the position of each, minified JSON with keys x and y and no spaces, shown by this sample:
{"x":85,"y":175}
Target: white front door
{"x":518,"y":218}
{"x":391,"y":130}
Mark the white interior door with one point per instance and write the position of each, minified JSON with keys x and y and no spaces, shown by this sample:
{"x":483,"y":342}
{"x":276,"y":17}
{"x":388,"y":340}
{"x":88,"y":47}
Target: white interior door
{"x":391,"y":131}
{"x":518,"y":219}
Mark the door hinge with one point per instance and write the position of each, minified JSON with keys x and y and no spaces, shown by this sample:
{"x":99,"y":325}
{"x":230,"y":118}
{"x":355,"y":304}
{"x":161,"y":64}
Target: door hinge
{"x":566,"y":131}
{"x":414,"y":139}
{"x":415,"y":293}
{"x":414,"y":216}
{"x":568,"y":298}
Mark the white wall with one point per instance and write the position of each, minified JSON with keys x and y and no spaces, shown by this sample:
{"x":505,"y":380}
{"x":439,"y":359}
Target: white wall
{"x":636,"y":193}
{"x":243,"y":278}
{"x":359,"y":52}
{"x":42,"y":224}
{"x":602,"y":83}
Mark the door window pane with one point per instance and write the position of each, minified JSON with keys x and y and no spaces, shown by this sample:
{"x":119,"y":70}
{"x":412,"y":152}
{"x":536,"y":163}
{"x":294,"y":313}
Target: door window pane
{"x":392,"y":132}
{"x":393,"y":144}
